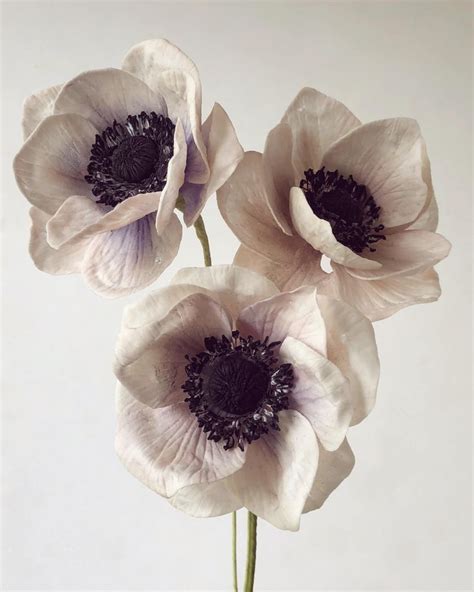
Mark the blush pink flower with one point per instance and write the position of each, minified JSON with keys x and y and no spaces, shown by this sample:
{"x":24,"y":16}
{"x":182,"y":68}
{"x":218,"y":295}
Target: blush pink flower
{"x":233,"y":394}
{"x":105,"y":158}
{"x":360,"y":194}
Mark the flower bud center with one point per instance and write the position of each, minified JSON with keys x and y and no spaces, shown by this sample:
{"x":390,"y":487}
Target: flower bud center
{"x":134,"y":158}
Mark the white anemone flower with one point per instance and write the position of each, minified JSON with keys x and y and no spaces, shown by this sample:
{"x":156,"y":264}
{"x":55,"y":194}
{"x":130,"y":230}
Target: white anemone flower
{"x":360,"y":194}
{"x":232,"y":394}
{"x":106,"y":156}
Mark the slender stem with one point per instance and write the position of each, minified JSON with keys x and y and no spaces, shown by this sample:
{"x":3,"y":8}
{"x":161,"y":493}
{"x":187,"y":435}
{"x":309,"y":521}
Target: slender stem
{"x":234,"y":553}
{"x":202,"y":236}
{"x":251,"y":552}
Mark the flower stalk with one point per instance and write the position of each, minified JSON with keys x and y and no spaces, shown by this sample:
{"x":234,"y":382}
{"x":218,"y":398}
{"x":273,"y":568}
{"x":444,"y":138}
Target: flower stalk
{"x":251,"y":552}
{"x":201,"y":233}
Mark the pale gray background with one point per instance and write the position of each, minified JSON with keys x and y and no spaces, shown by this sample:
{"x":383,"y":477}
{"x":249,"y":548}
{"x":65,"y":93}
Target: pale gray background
{"x":72,"y":516}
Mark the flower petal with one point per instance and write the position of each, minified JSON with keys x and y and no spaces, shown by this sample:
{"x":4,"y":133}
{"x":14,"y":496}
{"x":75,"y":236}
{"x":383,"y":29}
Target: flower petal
{"x":52,"y":163}
{"x":279,"y":471}
{"x":123,"y":261}
{"x":333,"y":468}
{"x":232,"y":286}
{"x":108,"y":95}
{"x":37,"y":107}
{"x":290,"y":314}
{"x":165,"y":448}
{"x":428,"y":218}
{"x":206,"y":500}
{"x":318,"y":233}
{"x":352,"y":347}
{"x":386,"y":156}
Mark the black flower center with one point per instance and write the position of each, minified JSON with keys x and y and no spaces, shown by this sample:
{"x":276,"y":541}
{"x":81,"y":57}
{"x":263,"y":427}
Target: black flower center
{"x":348,"y":207}
{"x":236,"y":388}
{"x":131,"y":157}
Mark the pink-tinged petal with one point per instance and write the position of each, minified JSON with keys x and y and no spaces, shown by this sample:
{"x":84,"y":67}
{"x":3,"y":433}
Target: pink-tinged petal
{"x":405,"y":253}
{"x":290,"y":314}
{"x":279,"y":175}
{"x":37,"y":107}
{"x":207,"y":500}
{"x":387,"y":157}
{"x":318,"y":233}
{"x":174,"y":180}
{"x":224,"y":153}
{"x":232,"y":286}
{"x":316,"y":122}
{"x":333,"y":468}
{"x":108,"y":95}
{"x":243,"y":204}
{"x":379,"y":299}
{"x":279,"y":471}
{"x":66,"y":260}
{"x":166,"y":449}
{"x":320,"y":392}
{"x":303,"y":270}
{"x":123,"y":261}
{"x":52,"y":163}
{"x":428,"y":218}
{"x":352,"y":348}
{"x":150,"y":359}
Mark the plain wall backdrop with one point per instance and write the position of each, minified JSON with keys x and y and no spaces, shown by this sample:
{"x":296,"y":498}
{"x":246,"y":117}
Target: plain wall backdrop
{"x":73,"y":518}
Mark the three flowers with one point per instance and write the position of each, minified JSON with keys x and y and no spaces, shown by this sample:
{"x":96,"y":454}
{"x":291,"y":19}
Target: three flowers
{"x":237,"y":384}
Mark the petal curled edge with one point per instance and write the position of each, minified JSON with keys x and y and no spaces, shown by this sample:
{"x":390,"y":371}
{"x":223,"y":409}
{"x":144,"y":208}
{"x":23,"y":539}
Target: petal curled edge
{"x":207,"y":500}
{"x":37,"y":107}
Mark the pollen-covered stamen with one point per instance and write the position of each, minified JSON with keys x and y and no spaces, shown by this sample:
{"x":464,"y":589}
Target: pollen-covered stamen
{"x":348,"y":207}
{"x":236,"y":388}
{"x":131,"y":157}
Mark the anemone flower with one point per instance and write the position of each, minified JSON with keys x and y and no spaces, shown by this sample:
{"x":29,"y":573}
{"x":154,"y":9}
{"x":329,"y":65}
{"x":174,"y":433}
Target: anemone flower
{"x":106,"y":156}
{"x":234,"y":394}
{"x":359,"y":194}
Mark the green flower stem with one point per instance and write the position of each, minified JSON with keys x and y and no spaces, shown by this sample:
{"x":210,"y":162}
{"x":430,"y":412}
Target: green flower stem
{"x":202,"y":236}
{"x":235,"y":580}
{"x":251,"y":552}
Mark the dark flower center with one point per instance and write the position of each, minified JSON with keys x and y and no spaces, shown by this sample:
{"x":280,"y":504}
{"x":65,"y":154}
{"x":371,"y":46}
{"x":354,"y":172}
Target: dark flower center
{"x":236,"y":388}
{"x":131,"y":157}
{"x":348,"y":207}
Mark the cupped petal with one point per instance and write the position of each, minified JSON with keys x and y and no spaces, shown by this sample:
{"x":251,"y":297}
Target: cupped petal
{"x":108,"y":95}
{"x":52,"y":162}
{"x":320,"y":392}
{"x":123,"y":261}
{"x":206,"y":500}
{"x":37,"y":107}
{"x":318,"y":233}
{"x":387,"y":157}
{"x":66,"y":260}
{"x":232,"y":286}
{"x":379,"y":299}
{"x":405,"y":253}
{"x":351,"y":346}
{"x":333,"y":468}
{"x":166,"y":449}
{"x":243,"y":204}
{"x":316,"y":122}
{"x":289,"y":314}
{"x":279,"y":472}
{"x":224,"y":153}
{"x":428,"y":218}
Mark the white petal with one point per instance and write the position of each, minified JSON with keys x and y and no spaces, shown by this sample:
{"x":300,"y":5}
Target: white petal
{"x":318,"y":233}
{"x":123,"y":261}
{"x":206,"y":500}
{"x":232,"y":286}
{"x":165,"y":448}
{"x":320,"y":392}
{"x":52,"y":163}
{"x":333,"y":468}
{"x":352,"y":347}
{"x":37,"y":107}
{"x":428,"y":218}
{"x":279,"y":471}
{"x":386,"y":156}
{"x":290,"y":314}
{"x":105,"y":96}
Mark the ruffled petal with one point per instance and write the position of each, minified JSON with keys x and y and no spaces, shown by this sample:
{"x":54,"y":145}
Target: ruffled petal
{"x":165,"y":448}
{"x":206,"y":500}
{"x":320,"y":392}
{"x":333,"y":468}
{"x":37,"y":107}
{"x":123,"y":261}
{"x":108,"y":95}
{"x":52,"y":163}
{"x":279,"y":471}
{"x":386,"y":156}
